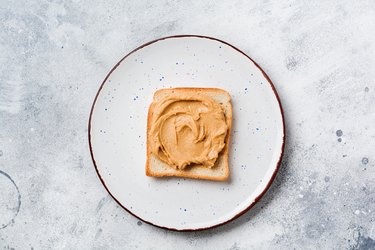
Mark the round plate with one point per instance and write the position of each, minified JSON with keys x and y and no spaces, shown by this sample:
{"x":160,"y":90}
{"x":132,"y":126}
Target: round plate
{"x":117,"y":132}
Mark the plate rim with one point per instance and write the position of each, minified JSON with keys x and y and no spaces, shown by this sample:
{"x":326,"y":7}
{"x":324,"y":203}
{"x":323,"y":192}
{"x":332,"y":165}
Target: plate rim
{"x":278,"y":164}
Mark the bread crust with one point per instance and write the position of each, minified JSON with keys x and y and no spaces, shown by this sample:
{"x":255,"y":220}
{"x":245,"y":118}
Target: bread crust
{"x":223,"y":159}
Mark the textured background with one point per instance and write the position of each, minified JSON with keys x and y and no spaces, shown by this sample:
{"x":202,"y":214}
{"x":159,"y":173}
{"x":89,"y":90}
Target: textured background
{"x":319,"y":54}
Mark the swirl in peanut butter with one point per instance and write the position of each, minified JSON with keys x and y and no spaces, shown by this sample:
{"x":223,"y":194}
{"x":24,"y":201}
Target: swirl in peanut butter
{"x":189,"y":130}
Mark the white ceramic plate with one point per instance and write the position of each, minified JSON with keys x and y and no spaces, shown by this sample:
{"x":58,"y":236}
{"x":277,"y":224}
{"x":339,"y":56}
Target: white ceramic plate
{"x":117,"y":132}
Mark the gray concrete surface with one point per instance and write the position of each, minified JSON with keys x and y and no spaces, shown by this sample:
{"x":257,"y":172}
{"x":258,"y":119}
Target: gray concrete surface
{"x":319,"y":54}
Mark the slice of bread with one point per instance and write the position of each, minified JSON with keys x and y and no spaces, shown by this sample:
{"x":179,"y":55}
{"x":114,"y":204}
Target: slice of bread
{"x":220,"y":171}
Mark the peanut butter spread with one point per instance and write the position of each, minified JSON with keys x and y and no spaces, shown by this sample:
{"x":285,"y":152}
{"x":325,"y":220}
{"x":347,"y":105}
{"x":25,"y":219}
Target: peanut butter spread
{"x":188,"y":129}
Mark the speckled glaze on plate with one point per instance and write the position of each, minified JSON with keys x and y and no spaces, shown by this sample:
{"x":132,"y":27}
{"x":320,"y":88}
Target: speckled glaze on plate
{"x":118,"y":122}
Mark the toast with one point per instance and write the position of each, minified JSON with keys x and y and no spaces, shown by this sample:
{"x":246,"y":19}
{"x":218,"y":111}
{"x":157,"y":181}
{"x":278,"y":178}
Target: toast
{"x":155,"y":167}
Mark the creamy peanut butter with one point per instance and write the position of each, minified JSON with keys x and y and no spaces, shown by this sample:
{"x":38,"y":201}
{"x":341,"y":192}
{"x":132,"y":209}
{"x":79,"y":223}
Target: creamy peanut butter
{"x":188,"y":129}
